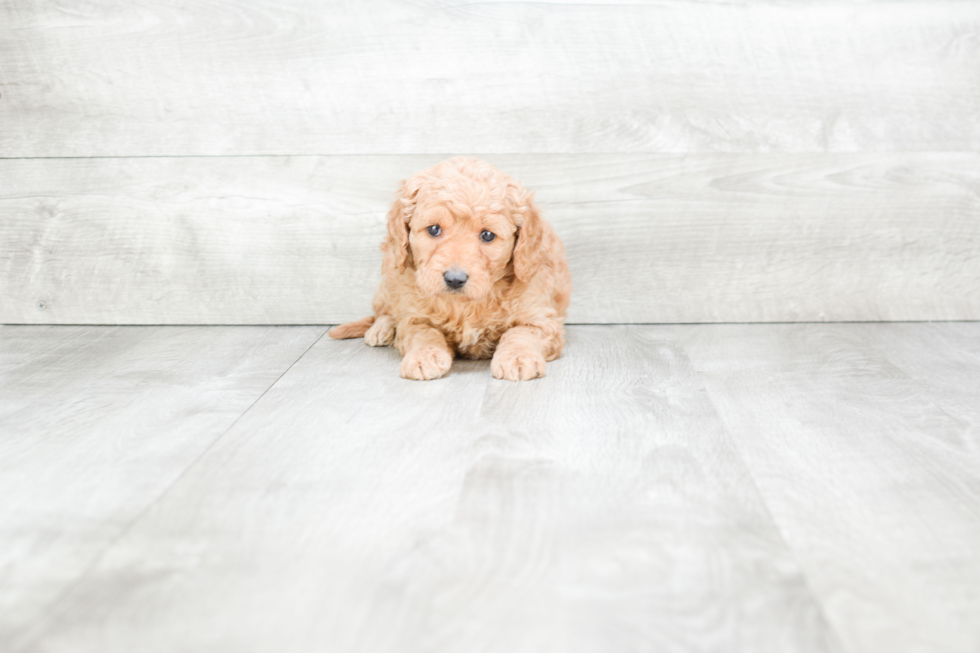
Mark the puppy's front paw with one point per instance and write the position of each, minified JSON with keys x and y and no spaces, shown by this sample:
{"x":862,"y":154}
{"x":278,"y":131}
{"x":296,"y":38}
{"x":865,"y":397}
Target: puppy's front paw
{"x":426,"y":363}
{"x":517,"y":364}
{"x":381,"y":333}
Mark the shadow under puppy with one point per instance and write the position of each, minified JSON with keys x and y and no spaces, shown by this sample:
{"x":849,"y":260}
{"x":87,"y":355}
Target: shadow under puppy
{"x":471,"y":269}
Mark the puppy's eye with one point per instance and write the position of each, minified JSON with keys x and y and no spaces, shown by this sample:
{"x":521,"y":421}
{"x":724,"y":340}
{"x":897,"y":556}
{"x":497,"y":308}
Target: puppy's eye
{"x":434,"y":230}
{"x":487,"y":236}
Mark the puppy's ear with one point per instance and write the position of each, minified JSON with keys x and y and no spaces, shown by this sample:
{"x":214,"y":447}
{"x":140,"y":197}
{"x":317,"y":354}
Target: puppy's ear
{"x":528,"y":252}
{"x":398,"y":218}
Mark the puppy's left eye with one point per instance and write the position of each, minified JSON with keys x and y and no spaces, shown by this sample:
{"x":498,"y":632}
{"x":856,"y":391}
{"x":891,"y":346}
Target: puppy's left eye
{"x":487,"y":236}
{"x":434,"y":230}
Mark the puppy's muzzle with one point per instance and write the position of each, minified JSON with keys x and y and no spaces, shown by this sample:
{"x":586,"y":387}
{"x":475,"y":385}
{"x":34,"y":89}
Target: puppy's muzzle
{"x":455,"y":278}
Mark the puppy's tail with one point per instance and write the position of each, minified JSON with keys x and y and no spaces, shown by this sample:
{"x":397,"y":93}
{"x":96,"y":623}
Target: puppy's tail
{"x":355,"y":329}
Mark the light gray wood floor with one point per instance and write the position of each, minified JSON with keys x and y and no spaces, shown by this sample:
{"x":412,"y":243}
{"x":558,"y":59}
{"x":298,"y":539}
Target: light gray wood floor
{"x":781,"y":487}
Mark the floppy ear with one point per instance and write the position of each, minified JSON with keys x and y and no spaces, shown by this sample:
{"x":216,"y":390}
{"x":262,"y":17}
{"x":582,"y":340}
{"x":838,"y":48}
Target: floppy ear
{"x":528,"y":253}
{"x":398,"y":218}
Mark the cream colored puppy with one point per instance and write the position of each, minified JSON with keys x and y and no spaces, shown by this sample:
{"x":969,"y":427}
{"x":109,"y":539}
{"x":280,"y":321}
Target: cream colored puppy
{"x":470,"y":269}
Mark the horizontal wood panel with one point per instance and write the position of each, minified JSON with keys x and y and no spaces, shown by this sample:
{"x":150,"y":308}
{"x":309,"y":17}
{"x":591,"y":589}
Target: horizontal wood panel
{"x":650,"y":238}
{"x":234,"y":77}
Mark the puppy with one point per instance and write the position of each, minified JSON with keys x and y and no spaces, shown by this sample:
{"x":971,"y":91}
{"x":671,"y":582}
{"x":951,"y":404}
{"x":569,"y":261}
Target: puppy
{"x":470,"y":269}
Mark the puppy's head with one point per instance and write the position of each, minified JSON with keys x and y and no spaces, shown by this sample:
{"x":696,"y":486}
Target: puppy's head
{"x":463,"y":225}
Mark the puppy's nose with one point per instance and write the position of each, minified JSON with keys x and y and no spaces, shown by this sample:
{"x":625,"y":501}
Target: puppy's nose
{"x":455,"y":278}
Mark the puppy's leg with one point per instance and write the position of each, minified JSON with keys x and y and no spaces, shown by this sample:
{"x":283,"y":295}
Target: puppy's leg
{"x":523,"y":350}
{"x":425,"y":352}
{"x":381,"y":333}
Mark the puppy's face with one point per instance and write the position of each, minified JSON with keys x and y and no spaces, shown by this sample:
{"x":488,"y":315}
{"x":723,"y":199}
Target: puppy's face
{"x":459,"y":251}
{"x":461,"y":226}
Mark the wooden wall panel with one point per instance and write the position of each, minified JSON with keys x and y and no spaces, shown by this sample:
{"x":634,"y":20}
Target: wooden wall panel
{"x":650,"y":238}
{"x":245,"y":77}
{"x":230,"y":161}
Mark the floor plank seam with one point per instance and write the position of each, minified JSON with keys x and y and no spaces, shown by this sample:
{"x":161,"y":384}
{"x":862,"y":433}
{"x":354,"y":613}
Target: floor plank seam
{"x":832,"y":628}
{"x":38,"y":629}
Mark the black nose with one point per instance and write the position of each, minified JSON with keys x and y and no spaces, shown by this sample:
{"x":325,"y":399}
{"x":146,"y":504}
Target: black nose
{"x":455,"y":278}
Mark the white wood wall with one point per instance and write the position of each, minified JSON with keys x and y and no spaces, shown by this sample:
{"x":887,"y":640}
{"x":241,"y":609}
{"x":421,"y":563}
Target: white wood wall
{"x":231,"y":161}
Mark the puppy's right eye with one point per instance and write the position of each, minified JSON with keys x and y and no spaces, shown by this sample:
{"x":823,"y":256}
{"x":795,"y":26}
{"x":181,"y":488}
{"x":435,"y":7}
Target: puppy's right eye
{"x":434,"y":230}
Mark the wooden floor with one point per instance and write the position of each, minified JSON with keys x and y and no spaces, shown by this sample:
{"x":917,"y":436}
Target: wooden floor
{"x":781,"y":487}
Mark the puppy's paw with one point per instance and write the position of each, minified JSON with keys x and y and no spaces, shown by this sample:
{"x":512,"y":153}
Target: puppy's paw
{"x":381,"y":333}
{"x":517,"y":364}
{"x":426,"y":363}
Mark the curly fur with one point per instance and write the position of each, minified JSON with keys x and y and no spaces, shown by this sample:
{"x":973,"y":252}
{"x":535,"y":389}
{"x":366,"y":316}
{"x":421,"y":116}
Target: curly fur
{"x":513,"y":305}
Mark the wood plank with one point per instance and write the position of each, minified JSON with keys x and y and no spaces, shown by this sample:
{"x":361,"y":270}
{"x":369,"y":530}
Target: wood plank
{"x":96,"y":423}
{"x":233,"y":77}
{"x":946,"y":368}
{"x":650,"y":238}
{"x":871,"y":479}
{"x":602,"y":508}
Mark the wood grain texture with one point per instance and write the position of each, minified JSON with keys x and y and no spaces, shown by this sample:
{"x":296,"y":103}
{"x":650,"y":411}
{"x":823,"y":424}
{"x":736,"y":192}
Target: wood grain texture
{"x":650,"y":238}
{"x":234,"y":77}
{"x":946,"y":365}
{"x":601,"y":508}
{"x":95,"y":424}
{"x":865,"y":443}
